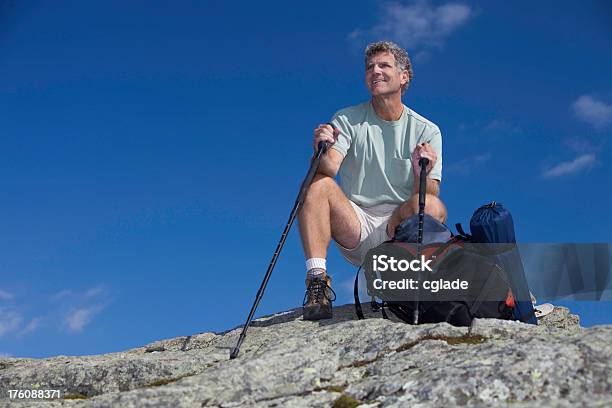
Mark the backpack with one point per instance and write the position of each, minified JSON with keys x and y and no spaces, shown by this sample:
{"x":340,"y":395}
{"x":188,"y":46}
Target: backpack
{"x":452,"y":259}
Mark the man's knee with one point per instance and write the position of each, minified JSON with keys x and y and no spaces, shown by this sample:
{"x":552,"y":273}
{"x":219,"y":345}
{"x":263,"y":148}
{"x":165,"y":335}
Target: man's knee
{"x":433,"y":206}
{"x":321,"y":185}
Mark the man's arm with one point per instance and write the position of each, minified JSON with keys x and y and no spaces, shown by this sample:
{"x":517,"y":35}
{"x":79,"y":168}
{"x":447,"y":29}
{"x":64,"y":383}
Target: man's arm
{"x":330,"y":162}
{"x":332,"y":159}
{"x":432,"y":186}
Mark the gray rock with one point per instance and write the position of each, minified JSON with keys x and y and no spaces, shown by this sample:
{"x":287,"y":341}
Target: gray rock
{"x":288,"y":362}
{"x":561,"y":319}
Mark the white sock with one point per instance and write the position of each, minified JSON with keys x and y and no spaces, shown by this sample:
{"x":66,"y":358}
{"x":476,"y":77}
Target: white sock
{"x":315,"y":267}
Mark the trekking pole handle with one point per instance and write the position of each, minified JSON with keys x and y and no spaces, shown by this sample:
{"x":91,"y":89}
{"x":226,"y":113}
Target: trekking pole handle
{"x":323,"y":146}
{"x":423,"y":162}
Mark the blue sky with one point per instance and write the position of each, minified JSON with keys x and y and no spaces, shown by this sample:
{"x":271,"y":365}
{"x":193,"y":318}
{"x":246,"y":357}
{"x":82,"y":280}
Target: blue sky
{"x":150,"y":152}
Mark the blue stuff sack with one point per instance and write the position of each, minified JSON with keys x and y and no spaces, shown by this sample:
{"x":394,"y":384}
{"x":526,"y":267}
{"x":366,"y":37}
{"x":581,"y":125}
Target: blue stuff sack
{"x":492,"y":224}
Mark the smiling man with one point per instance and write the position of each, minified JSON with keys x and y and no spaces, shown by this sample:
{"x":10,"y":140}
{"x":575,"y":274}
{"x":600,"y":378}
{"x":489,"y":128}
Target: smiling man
{"x":375,"y":148}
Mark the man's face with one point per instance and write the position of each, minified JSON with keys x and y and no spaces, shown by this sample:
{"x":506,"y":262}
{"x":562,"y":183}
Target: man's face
{"x":382,"y":76}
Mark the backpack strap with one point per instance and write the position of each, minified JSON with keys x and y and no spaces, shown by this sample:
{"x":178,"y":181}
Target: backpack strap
{"x":358,"y":309}
{"x":461,"y":232}
{"x":484,"y":291}
{"x":382,"y":309}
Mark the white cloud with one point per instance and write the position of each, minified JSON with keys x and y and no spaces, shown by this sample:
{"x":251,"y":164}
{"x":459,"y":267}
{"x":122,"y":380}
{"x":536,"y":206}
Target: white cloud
{"x":417,"y":25}
{"x":62,"y":294}
{"x":468,"y":164}
{"x":70,"y":310}
{"x":569,"y":167}
{"x":93,"y":292}
{"x":501,"y":126}
{"x":5,"y":355}
{"x":77,"y":309}
{"x":422,"y":57}
{"x":30,"y":327}
{"x":78,"y":319}
{"x":592,"y":111}
{"x":4,"y":295}
{"x":9,"y":321}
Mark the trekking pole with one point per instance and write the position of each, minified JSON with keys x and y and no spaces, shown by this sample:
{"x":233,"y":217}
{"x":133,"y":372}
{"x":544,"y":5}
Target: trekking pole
{"x":423,"y":162}
{"x":314,"y":166}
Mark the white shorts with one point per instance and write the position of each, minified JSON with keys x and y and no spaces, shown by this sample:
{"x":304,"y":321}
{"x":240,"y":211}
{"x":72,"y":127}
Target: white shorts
{"x":373,"y":222}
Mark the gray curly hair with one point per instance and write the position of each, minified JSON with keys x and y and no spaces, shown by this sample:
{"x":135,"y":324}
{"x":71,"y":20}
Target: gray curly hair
{"x":402,"y":61}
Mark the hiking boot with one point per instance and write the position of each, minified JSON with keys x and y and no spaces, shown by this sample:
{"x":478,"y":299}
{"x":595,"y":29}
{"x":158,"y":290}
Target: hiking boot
{"x":318,"y":299}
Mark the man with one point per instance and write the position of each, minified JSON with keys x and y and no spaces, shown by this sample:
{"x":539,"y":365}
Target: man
{"x":375,"y":148}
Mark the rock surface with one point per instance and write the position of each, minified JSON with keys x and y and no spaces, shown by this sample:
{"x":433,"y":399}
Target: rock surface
{"x":288,"y":362}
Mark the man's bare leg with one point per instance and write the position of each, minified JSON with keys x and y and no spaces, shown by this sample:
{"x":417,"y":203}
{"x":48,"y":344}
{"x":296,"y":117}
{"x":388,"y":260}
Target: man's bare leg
{"x":433,"y":206}
{"x":327,"y":213}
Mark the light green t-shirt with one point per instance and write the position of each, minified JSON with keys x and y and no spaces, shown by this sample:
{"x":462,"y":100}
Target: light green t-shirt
{"x":376,"y":168}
